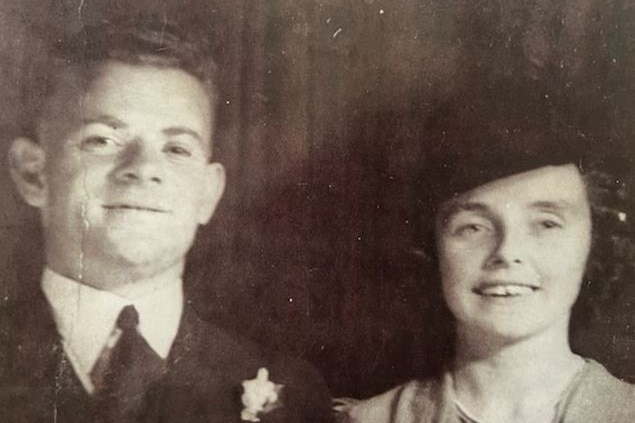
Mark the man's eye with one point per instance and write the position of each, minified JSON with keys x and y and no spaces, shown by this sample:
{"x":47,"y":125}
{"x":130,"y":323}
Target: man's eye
{"x":98,"y":144}
{"x":178,"y":150}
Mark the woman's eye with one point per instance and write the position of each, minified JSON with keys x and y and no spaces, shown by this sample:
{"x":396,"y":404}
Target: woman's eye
{"x":470,"y":229}
{"x":550,"y":224}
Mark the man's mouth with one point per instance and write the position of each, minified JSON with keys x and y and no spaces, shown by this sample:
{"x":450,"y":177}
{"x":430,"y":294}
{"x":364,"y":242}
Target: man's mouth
{"x":505,"y":289}
{"x":133,"y":207}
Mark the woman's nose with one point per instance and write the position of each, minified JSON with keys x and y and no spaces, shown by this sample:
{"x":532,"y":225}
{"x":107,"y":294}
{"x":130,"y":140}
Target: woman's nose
{"x":509,"y":248}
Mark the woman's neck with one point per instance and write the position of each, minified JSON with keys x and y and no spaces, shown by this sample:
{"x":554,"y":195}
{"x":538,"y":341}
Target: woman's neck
{"x":497,"y":380}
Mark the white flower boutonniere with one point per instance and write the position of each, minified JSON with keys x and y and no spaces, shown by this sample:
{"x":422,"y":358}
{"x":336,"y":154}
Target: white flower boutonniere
{"x":260,"y":396}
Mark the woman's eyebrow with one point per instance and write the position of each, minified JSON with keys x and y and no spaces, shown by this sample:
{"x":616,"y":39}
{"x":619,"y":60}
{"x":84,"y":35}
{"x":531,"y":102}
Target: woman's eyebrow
{"x":556,"y":206}
{"x":460,"y":206}
{"x":456,"y":207}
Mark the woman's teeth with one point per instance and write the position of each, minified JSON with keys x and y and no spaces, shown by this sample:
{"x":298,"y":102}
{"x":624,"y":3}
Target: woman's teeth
{"x":505,"y":290}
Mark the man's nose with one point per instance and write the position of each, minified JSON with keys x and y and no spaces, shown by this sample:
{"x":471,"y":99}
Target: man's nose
{"x":140,"y":165}
{"x":508,"y":248}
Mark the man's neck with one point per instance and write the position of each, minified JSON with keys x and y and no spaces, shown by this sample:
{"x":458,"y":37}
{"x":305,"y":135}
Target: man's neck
{"x":124,"y":281}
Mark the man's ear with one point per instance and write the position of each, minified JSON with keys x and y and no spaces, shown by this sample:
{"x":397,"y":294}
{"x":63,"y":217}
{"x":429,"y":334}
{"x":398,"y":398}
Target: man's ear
{"x":26,"y":164}
{"x":215,"y":185}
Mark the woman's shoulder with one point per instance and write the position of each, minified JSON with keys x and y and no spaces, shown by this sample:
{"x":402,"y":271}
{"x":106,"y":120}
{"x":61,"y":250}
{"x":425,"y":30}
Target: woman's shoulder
{"x":596,"y":375}
{"x":600,"y":396}
{"x":410,"y":402}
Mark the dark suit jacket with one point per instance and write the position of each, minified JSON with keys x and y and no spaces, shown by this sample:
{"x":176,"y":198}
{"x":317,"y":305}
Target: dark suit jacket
{"x":203,"y":382}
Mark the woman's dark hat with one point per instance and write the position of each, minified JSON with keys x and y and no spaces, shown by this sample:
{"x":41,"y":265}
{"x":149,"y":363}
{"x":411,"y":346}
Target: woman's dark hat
{"x":468,"y":153}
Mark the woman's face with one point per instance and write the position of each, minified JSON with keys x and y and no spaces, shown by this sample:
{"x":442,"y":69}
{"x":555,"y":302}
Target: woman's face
{"x":512,"y":252}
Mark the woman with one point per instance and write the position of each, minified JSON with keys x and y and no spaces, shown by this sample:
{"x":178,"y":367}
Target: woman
{"x":509,"y":209}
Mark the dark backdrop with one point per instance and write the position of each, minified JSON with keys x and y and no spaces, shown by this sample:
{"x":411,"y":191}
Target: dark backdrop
{"x":321,"y":117}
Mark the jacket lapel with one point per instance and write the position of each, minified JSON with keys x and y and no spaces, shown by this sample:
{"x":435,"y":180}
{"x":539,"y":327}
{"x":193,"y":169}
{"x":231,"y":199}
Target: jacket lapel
{"x":200,"y":382}
{"x":40,"y":384}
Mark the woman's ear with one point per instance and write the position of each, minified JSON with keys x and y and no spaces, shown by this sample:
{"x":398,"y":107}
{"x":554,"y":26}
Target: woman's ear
{"x":26,"y":163}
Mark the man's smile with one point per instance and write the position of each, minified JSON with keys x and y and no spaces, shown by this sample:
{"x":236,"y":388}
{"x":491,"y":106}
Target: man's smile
{"x":134,"y":207}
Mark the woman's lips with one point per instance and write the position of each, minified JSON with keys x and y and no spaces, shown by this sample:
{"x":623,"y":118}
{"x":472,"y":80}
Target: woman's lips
{"x":505,"y":289}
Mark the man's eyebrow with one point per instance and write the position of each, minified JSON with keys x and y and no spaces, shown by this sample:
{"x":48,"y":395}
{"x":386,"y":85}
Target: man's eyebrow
{"x":106,"y":120}
{"x":182,"y":130}
{"x":118,"y":123}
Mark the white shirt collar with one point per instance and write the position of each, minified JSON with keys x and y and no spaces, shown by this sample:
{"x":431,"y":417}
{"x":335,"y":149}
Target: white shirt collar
{"x":86,"y":316}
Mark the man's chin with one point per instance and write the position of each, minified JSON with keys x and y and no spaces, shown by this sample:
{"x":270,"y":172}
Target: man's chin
{"x":135,"y":255}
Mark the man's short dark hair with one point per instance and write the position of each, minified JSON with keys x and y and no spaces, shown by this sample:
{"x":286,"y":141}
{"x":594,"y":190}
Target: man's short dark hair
{"x":137,"y":40}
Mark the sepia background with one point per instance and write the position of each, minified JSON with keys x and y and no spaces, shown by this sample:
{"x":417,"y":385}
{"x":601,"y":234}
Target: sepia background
{"x":320,"y":130}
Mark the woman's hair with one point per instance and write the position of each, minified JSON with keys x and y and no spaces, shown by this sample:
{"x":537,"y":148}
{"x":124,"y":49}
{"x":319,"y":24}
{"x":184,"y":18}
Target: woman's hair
{"x":611,"y":262}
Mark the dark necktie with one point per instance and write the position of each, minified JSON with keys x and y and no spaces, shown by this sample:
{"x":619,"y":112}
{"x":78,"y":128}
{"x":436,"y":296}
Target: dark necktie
{"x":123,"y":373}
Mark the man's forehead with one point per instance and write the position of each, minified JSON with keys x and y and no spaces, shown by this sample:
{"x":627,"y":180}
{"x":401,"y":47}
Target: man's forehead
{"x":109,"y":91}
{"x":77,"y":79}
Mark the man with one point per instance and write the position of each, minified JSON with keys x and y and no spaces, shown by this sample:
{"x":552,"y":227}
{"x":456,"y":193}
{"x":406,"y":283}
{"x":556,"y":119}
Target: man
{"x":117,"y":162}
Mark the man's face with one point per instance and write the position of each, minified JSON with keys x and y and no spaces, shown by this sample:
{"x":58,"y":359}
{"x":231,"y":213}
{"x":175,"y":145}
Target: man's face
{"x":512,"y":252}
{"x":126,"y":179}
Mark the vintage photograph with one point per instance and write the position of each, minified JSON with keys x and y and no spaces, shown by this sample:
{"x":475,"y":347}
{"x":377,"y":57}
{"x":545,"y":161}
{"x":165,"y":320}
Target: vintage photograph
{"x":336,"y":211}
